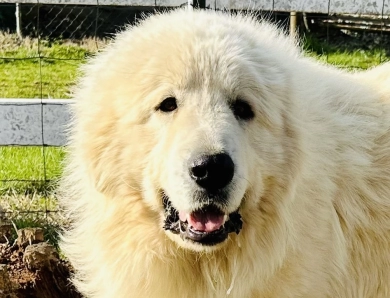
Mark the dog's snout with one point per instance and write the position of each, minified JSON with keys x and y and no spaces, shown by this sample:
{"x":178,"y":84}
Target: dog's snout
{"x":212,"y":172}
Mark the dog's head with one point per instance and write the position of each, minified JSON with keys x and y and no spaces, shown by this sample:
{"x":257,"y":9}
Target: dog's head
{"x":191,"y":114}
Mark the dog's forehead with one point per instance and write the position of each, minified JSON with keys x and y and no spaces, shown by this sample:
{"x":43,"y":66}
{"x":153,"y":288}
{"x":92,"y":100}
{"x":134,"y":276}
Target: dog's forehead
{"x":201,"y":69}
{"x":199,"y":57}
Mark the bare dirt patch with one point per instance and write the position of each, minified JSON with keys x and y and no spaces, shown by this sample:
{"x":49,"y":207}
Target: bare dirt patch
{"x":34,"y":270}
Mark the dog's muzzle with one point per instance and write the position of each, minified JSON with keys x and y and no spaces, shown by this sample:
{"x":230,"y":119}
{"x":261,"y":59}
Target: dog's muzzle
{"x":206,"y":226}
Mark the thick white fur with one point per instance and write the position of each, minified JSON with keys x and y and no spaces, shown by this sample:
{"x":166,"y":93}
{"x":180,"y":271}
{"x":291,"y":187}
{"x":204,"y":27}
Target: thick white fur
{"x":313,"y":166}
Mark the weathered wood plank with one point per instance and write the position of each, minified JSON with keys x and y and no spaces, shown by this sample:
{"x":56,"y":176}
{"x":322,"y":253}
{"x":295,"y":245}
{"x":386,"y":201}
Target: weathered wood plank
{"x":32,"y":122}
{"x":87,"y":2}
{"x":359,"y":6}
{"x":302,"y":5}
{"x":374,"y":7}
{"x":242,"y":4}
{"x":319,"y":6}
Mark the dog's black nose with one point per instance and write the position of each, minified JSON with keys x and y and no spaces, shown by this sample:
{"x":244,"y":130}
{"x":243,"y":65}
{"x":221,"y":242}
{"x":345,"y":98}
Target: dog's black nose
{"x":212,"y":172}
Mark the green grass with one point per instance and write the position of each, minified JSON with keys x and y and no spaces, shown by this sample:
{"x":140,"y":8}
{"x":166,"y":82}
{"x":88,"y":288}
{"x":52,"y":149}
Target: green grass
{"x":345,"y":51}
{"x":31,"y":203}
{"x":34,"y":164}
{"x":47,"y":69}
{"x":37,"y":79}
{"x":357,"y":59}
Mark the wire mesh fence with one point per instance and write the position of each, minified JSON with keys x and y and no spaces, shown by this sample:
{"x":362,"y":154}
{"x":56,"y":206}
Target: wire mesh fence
{"x":43,"y":44}
{"x":75,"y":21}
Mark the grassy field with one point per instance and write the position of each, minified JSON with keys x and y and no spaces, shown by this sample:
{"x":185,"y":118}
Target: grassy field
{"x":31,"y":164}
{"x":347,"y":52}
{"x":48,"y":69}
{"x":29,"y":203}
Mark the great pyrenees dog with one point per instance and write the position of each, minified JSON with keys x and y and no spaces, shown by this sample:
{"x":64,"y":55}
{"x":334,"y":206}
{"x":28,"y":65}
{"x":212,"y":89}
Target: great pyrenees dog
{"x":208,"y":157}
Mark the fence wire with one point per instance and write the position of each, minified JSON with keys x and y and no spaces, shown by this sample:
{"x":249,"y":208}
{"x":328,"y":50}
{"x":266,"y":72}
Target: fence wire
{"x":40,"y":54}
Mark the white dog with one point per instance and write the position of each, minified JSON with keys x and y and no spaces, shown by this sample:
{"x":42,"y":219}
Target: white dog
{"x":209,"y":157}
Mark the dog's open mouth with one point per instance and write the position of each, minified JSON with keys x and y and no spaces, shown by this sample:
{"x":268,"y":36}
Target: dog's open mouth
{"x":208,"y":225}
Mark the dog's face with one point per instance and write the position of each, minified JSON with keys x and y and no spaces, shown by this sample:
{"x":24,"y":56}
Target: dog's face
{"x":198,"y":168}
{"x":199,"y":125}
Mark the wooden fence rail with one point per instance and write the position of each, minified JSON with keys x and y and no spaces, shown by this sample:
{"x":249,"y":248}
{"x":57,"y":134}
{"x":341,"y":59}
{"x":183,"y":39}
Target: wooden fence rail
{"x":33,"y":122}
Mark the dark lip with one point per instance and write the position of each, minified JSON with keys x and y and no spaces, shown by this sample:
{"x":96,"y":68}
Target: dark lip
{"x":173,"y":224}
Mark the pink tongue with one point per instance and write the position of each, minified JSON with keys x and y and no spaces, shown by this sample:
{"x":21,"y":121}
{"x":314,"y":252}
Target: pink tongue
{"x":203,"y":221}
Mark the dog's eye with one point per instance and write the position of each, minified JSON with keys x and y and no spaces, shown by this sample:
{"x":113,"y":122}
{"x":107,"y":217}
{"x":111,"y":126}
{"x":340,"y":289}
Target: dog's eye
{"x":242,"y":110}
{"x":167,"y":105}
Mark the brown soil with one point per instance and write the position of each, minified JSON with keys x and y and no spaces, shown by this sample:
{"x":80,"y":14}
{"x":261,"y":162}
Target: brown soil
{"x":16,"y":280}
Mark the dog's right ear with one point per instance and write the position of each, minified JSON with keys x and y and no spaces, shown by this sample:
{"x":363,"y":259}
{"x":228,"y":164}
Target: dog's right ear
{"x":92,"y":152}
{"x":111,"y":162}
